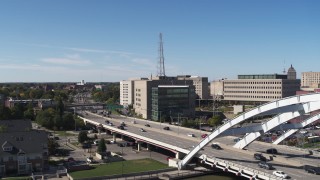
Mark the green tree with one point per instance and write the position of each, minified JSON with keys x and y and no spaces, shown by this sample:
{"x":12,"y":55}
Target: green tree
{"x":215,"y":121}
{"x":52,"y":145}
{"x":5,"y":113}
{"x":83,"y":136}
{"x":102,"y":146}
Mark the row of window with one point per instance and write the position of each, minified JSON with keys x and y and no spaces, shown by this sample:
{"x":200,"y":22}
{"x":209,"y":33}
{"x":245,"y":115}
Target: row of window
{"x":253,"y":87}
{"x":256,"y":97}
{"x":252,"y":82}
{"x":255,"y":92}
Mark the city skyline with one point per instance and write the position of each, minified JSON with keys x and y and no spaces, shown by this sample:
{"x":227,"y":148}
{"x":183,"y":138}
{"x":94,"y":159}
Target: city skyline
{"x":68,"y":41}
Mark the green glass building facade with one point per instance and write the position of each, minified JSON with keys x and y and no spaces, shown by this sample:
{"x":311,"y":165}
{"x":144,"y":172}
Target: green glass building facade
{"x":172,"y":101}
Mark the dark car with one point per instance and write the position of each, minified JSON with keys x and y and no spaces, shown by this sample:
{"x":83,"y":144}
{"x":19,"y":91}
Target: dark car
{"x":86,"y":146}
{"x":272,"y":151}
{"x":312,"y":169}
{"x":121,"y":127}
{"x":216,"y":146}
{"x":265,"y":165}
{"x":260,"y":157}
{"x":147,"y":125}
{"x":107,"y":122}
{"x":166,"y":128}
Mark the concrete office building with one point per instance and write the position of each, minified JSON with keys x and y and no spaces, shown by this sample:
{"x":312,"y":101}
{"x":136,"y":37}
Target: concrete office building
{"x":126,"y":91}
{"x":310,"y":80}
{"x":261,"y":88}
{"x":216,"y":89}
{"x":200,"y":84}
{"x":143,"y":93}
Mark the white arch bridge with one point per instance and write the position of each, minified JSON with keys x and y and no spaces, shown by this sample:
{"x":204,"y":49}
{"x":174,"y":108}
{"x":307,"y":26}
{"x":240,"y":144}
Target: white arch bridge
{"x":285,"y":109}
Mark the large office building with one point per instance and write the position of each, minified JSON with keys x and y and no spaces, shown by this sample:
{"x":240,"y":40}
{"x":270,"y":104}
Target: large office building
{"x":310,"y":80}
{"x":143,"y":94}
{"x":200,"y":84}
{"x":261,"y":87}
{"x":126,"y":91}
{"x":172,"y":100}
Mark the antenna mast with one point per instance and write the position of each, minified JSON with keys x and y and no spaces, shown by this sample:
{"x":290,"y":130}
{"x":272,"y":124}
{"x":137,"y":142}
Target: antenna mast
{"x":161,"y":71}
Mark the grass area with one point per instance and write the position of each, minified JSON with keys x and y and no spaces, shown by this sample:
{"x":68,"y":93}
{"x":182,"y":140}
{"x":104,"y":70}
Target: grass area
{"x":120,"y":167}
{"x":18,"y":178}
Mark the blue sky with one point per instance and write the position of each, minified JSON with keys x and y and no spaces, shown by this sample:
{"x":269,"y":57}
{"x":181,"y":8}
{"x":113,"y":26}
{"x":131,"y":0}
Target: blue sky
{"x":113,"y":40}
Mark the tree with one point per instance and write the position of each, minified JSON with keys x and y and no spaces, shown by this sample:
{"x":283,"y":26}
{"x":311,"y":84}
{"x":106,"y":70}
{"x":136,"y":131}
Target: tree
{"x":52,"y":145}
{"x":83,"y":136}
{"x":215,"y":121}
{"x":102,"y":146}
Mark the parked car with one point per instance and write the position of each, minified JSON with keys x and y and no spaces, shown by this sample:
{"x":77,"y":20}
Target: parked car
{"x":110,"y":124}
{"x":204,"y":135}
{"x":96,"y":142}
{"x":70,"y":159}
{"x":166,"y":128}
{"x":216,"y":146}
{"x":265,"y":165}
{"x":106,"y":121}
{"x":142,"y":130}
{"x":86,"y":146}
{"x":237,"y":139}
{"x":191,"y":135}
{"x":123,"y":124}
{"x":147,"y":125}
{"x":280,"y":174}
{"x":272,"y":151}
{"x":89,"y":160}
{"x":121,"y":127}
{"x":260,"y":157}
{"x":312,"y":169}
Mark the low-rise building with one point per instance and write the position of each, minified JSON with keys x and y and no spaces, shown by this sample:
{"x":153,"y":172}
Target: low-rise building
{"x":22,"y":149}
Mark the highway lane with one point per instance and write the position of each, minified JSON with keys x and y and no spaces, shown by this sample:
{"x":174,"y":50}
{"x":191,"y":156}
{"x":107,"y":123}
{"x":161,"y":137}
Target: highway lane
{"x":183,"y":141}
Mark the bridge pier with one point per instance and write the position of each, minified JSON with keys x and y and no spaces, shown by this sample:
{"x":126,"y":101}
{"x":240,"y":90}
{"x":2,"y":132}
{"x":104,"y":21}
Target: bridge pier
{"x":148,"y":147}
{"x":139,"y":146}
{"x":178,"y":155}
{"x":114,"y":136}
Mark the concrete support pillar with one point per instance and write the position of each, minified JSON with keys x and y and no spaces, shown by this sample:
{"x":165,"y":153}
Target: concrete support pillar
{"x":122,"y":136}
{"x":114,"y":136}
{"x":178,"y":155}
{"x":139,"y":146}
{"x":148,"y":147}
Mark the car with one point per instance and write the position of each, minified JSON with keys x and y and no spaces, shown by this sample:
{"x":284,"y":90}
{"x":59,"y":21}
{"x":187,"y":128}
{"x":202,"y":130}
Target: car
{"x":216,"y":146}
{"x":204,"y":135}
{"x":107,"y":142}
{"x":280,"y":174}
{"x":121,"y":127}
{"x":318,"y":126}
{"x":107,"y":122}
{"x":191,"y":135}
{"x":121,"y":144}
{"x":123,"y":124}
{"x":142,"y":130}
{"x":272,"y":151}
{"x":86,"y":145}
{"x":96,"y":142}
{"x":90,"y":160}
{"x":260,"y":157}
{"x":166,"y":128}
{"x":110,"y":124}
{"x":147,"y":125}
{"x":237,"y":139}
{"x":70,"y":159}
{"x":263,"y":164}
{"x":112,"y":142}
{"x":312,"y":169}
{"x":303,"y":132}
{"x":133,"y":122}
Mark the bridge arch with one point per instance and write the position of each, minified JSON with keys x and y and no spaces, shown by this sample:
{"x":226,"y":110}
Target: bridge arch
{"x":244,"y":116}
{"x":276,"y":121}
{"x":292,"y":131}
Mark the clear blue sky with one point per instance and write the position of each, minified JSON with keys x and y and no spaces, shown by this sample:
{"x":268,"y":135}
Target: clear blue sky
{"x":113,"y":40}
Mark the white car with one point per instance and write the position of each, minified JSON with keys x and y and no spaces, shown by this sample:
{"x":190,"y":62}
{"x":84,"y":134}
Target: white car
{"x":191,"y":135}
{"x":280,"y":174}
{"x":303,"y":131}
{"x":142,"y":130}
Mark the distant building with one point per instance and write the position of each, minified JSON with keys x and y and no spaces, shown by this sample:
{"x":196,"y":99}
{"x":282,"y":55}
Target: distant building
{"x":216,"y":89}
{"x":261,"y":87}
{"x":99,"y":87}
{"x":200,"y":84}
{"x":310,"y":80}
{"x":82,"y":83}
{"x":22,"y":150}
{"x":127,"y":90}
